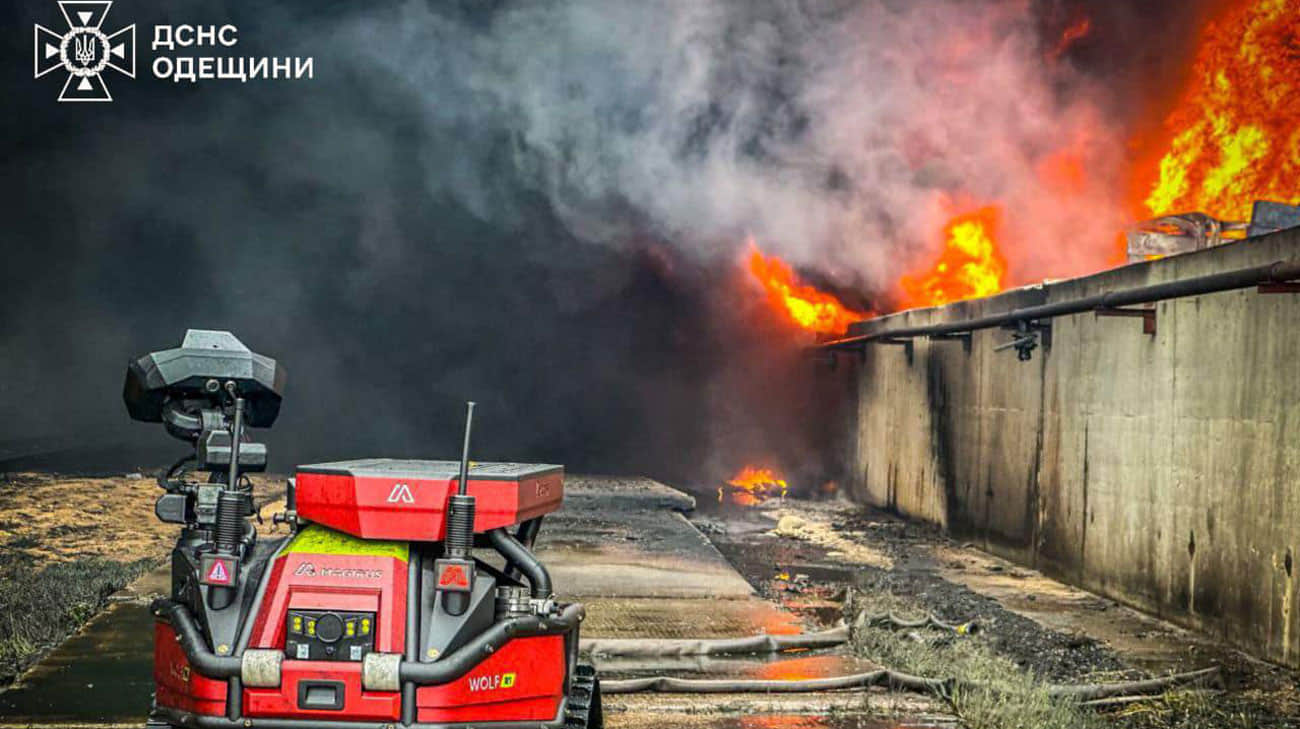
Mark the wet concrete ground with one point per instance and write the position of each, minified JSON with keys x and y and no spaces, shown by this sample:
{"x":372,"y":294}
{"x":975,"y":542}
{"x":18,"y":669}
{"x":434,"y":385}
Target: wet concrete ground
{"x":1060,"y":633}
{"x":620,"y":546}
{"x":100,"y":676}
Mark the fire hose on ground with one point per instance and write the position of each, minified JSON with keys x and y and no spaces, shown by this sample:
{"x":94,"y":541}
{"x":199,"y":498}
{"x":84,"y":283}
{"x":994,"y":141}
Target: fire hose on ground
{"x":897,"y":681}
{"x":759,"y":644}
{"x":890,"y":620}
{"x":752,"y":645}
{"x":1096,"y":693}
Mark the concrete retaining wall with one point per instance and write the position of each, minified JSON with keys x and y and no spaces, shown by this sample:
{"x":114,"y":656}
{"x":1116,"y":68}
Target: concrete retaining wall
{"x":1161,"y":470}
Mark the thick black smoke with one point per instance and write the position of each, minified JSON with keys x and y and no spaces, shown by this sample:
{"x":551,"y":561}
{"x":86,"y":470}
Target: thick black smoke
{"x":534,"y":205}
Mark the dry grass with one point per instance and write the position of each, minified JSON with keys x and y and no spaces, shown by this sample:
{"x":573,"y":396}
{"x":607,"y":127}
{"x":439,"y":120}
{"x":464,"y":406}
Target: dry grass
{"x":1191,"y":710}
{"x":998,"y":694}
{"x":40,"y":606}
{"x":66,"y":544}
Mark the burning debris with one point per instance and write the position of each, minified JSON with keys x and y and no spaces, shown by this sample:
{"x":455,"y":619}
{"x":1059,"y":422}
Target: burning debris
{"x":1173,"y":234}
{"x":753,"y":485}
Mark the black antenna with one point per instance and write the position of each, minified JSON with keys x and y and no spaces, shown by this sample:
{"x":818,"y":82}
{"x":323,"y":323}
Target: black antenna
{"x":464,"y":451}
{"x":236,"y":435}
{"x":459,"y":537}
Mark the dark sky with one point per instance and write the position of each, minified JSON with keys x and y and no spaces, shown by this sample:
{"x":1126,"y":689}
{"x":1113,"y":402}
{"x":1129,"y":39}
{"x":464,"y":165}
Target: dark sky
{"x":320,"y":221}
{"x":398,"y":237}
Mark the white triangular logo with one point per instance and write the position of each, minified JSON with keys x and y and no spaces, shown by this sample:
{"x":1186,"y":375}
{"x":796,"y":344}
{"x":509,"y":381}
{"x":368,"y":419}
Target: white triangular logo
{"x":119,"y":50}
{"x":85,"y":17}
{"x":51,"y":50}
{"x":401,"y":494}
{"x":218,"y":573}
{"x":84,"y":85}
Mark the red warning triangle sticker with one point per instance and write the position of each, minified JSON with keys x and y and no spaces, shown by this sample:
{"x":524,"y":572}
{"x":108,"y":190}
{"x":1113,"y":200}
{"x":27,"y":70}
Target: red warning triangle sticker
{"x":218,"y":572}
{"x":453,"y":576}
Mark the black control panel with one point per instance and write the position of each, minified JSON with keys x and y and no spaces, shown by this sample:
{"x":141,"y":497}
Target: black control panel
{"x":328,"y":635}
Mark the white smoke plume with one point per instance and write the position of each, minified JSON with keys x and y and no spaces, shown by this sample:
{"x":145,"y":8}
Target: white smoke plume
{"x":840,"y":134}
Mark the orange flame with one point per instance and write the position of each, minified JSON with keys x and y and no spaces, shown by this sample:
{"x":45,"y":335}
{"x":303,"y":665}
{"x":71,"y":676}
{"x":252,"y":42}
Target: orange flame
{"x":755,"y":483}
{"x":804,"y":305}
{"x":1235,"y":136}
{"x":969,"y":267}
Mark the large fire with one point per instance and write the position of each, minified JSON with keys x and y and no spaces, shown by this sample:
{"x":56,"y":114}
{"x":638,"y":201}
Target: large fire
{"x":1232,"y":139}
{"x":804,"y":305}
{"x":969,"y":266}
{"x":1234,"y":131}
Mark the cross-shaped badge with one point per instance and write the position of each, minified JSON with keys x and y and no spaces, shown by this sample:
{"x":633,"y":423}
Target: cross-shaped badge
{"x":84,"y":50}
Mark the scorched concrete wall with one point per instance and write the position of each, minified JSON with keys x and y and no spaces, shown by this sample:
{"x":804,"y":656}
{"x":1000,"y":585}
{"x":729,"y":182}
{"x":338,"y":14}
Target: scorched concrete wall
{"x":1161,"y":470}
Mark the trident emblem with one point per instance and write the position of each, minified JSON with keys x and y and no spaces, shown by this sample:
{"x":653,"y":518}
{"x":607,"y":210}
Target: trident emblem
{"x":84,"y":50}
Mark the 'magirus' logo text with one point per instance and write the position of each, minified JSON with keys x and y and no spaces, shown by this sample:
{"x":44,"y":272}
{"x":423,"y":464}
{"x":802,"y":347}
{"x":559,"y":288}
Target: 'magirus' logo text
{"x":307,"y":569}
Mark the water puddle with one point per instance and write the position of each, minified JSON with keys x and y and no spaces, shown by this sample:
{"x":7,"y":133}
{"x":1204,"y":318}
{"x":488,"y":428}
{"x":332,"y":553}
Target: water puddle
{"x":783,"y":667}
